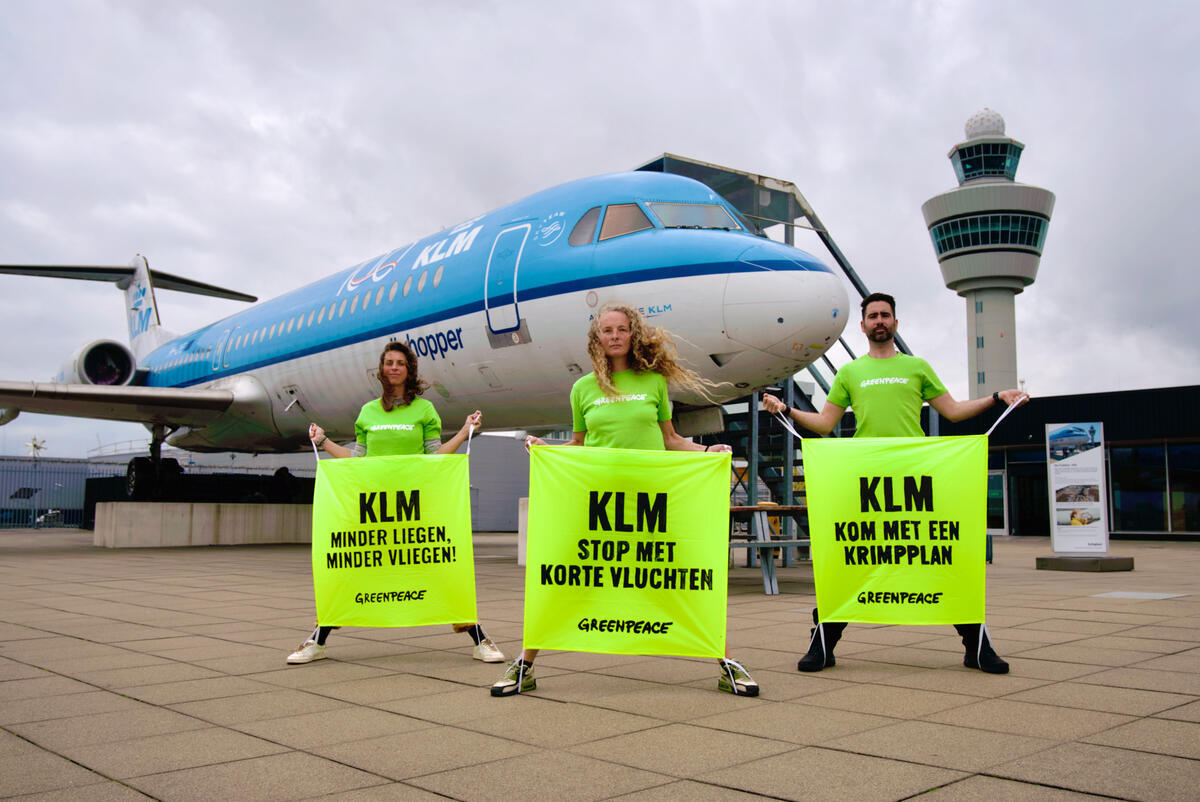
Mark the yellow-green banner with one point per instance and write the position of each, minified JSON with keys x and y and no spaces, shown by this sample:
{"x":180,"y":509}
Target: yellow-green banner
{"x":391,"y":543}
{"x":898,"y":528}
{"x":627,"y":551}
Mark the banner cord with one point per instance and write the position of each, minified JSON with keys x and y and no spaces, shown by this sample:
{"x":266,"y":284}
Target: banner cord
{"x":1010,"y":408}
{"x":787,"y":425}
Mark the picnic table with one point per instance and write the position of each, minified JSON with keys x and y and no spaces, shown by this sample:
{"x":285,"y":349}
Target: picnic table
{"x":757,"y":539}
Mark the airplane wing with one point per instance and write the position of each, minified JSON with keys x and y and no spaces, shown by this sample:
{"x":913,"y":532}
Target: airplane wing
{"x":163,"y":405}
{"x":163,"y":281}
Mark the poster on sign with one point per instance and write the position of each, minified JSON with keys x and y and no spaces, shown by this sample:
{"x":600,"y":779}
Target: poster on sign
{"x":627,"y":551}
{"x":1075,"y":471}
{"x":391,"y":543}
{"x":898,"y":528}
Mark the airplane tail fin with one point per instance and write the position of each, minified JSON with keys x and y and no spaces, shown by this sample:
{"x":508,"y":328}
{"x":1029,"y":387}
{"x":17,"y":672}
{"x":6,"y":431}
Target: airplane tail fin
{"x":138,"y":282}
{"x":141,"y":309}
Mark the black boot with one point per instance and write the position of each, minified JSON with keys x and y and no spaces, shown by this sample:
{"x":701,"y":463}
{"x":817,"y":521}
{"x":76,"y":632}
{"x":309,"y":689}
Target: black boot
{"x":979,"y":653}
{"x":820,"y":650}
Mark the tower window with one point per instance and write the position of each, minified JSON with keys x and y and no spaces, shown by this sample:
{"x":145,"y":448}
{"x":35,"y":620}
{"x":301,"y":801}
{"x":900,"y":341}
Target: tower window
{"x":978,"y":307}
{"x":979,"y":377}
{"x":978,"y":341}
{"x":1025,"y":231}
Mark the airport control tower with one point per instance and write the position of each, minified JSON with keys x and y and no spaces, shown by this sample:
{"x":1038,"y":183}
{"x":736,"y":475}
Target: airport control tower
{"x":988,"y":236}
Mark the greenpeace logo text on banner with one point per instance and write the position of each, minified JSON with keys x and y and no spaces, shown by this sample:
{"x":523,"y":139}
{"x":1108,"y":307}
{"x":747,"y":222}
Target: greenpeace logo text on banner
{"x":900,"y":597}
{"x":625,"y":625}
{"x":387,"y":596}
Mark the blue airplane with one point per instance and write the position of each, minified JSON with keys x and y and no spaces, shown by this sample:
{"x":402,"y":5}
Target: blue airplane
{"x":1067,"y":436}
{"x":496,"y":307}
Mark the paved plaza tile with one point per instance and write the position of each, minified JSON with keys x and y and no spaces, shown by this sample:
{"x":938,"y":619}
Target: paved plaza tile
{"x":160,"y":673}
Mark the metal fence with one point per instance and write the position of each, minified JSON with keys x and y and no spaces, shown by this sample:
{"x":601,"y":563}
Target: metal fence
{"x":46,"y":492}
{"x":40,"y":492}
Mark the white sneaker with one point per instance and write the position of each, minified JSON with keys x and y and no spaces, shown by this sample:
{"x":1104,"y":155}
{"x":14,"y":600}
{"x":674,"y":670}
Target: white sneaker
{"x":488,"y":652}
{"x":309,"y":650}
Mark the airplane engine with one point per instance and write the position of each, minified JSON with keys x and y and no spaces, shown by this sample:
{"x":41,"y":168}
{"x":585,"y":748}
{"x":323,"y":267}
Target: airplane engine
{"x":103,"y":362}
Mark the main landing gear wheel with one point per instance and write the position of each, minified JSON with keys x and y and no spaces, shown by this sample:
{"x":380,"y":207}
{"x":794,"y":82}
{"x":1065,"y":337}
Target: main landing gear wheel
{"x":140,"y":480}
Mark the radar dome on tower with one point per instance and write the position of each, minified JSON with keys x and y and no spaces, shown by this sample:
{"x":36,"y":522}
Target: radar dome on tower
{"x":984,"y":123}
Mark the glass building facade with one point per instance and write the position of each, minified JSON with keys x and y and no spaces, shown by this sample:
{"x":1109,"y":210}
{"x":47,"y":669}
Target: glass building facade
{"x":1152,"y":461}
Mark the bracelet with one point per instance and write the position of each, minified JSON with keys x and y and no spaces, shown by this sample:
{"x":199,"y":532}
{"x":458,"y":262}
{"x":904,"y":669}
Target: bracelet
{"x":787,"y":411}
{"x":996,"y":396}
{"x":323,"y":439}
{"x":706,"y":448}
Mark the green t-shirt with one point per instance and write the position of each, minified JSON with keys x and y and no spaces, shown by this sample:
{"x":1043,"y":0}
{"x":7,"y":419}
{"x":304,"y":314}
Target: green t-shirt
{"x":886,"y":394}
{"x":627,"y":420}
{"x":404,"y":430}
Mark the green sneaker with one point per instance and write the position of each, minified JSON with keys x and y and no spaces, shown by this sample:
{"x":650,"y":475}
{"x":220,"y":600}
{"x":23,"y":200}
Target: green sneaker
{"x":736,"y":680}
{"x":517,"y":679}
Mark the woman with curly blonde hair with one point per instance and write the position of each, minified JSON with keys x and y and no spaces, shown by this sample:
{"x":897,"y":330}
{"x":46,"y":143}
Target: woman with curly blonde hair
{"x":623,"y":403}
{"x":650,"y":349}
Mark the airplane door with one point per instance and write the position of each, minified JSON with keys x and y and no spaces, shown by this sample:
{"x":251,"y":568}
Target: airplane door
{"x":500,"y":279}
{"x":228,"y":346}
{"x":219,"y":351}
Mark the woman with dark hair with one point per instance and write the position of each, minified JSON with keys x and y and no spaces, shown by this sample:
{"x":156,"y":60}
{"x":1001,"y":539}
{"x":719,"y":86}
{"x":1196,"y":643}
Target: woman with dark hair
{"x":398,"y":422}
{"x":623,"y":403}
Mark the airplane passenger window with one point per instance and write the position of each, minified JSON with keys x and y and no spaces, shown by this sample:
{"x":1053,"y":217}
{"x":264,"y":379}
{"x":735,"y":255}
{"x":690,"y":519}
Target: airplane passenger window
{"x":379,"y":297}
{"x":392,"y":291}
{"x":437,"y":277}
{"x":693,"y":215}
{"x":353,"y":304}
{"x":311,"y":315}
{"x":407,"y":285}
{"x":622,"y":219}
{"x":331,"y":307}
{"x":421,"y":280}
{"x":585,"y":229}
{"x":342,"y":308}
{"x":271,"y":333}
{"x":320,"y":315}
{"x":290,"y":324}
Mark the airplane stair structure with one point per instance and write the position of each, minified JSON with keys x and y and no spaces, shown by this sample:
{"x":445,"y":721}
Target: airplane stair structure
{"x":773,"y":457}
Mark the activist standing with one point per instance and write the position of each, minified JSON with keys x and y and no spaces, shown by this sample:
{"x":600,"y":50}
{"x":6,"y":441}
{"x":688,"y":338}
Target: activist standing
{"x":397,"y":423}
{"x":886,"y":389}
{"x":623,"y":403}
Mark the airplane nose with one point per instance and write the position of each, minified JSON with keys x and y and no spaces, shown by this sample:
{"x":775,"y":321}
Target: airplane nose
{"x":785,"y":311}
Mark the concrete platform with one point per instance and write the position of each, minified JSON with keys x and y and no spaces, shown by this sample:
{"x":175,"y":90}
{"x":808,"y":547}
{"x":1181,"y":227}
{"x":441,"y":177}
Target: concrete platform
{"x":135,"y":673}
{"x":160,"y":524}
{"x":1106,"y":562}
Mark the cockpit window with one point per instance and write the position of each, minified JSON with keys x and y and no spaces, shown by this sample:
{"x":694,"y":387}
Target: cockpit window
{"x":623,"y":218}
{"x":694,"y":215}
{"x":583,"y":231}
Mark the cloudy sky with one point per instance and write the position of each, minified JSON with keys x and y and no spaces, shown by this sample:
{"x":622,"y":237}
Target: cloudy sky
{"x":262,"y":145}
